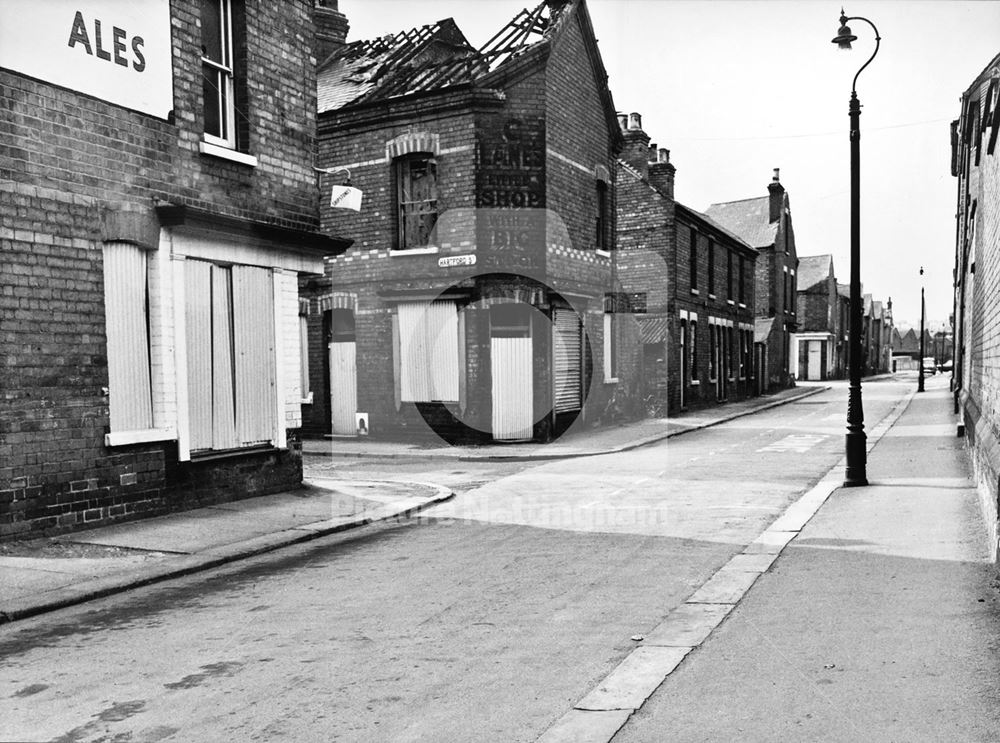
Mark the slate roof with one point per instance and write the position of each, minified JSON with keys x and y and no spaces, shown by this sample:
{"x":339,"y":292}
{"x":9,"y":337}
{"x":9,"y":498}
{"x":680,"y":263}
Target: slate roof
{"x":749,"y":218}
{"x":427,"y":58}
{"x":721,"y":228}
{"x":813,"y":269}
{"x":844,"y":290}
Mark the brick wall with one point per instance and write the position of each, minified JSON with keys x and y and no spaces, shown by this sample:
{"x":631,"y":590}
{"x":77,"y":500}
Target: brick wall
{"x":66,"y":160}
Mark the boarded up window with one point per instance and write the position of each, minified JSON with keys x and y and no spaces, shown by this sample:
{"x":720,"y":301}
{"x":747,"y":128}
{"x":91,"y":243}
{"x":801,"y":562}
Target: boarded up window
{"x":232,"y":381}
{"x":127,"y":322}
{"x":428,"y":351}
{"x":416,"y":182}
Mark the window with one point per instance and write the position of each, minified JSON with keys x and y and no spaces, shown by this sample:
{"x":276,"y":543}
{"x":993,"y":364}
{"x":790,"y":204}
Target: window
{"x":126,"y":306}
{"x":742,"y":281}
{"x":416,"y":190}
{"x":732,"y":361}
{"x":428,"y":351}
{"x":231,"y":359}
{"x":217,"y":69}
{"x":601,"y":240}
{"x":694,"y":260}
{"x":730,"y":294}
{"x":791,"y":299}
{"x":711,"y":266}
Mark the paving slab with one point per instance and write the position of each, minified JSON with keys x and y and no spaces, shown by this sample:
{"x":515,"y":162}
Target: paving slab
{"x":634,"y":679}
{"x":585,"y":726}
{"x":727,"y":586}
{"x":688,"y":625}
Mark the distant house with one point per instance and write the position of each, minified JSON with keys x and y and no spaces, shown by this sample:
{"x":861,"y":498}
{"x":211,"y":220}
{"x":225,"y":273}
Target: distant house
{"x":765,"y":224}
{"x":695,"y":279}
{"x":816,"y":348}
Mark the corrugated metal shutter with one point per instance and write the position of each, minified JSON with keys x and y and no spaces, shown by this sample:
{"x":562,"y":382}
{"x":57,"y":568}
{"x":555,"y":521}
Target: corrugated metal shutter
{"x":428,"y":342}
{"x":255,"y":377}
{"x":567,"y":342}
{"x":510,"y":364}
{"x":198,"y":329}
{"x":125,"y":303}
{"x":223,"y":407}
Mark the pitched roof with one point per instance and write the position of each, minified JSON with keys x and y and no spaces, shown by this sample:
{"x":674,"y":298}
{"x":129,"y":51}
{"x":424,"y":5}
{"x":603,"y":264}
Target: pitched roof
{"x":708,"y":220}
{"x":749,"y":218}
{"x":844,"y":290}
{"x":813,"y":269}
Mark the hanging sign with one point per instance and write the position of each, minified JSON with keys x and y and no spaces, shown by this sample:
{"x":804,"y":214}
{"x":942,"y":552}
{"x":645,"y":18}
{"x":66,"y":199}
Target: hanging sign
{"x":345,"y":197}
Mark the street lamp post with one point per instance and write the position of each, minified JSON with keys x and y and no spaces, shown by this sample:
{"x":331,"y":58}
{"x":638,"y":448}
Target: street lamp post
{"x":855,"y":440}
{"x":920,"y":374}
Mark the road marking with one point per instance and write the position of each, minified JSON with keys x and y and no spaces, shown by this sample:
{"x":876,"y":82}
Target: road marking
{"x":796,"y":442}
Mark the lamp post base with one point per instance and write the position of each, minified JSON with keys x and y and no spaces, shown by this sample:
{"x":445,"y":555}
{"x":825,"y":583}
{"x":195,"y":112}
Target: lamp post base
{"x":855,"y":474}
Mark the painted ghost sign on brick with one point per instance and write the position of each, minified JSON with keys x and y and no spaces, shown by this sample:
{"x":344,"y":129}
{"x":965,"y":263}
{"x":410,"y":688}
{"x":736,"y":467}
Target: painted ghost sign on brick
{"x":117,"y":51}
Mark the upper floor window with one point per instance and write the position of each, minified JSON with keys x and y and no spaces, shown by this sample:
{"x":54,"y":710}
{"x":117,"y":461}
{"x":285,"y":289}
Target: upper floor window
{"x":416,"y":190}
{"x":694,"y":260}
{"x":742,"y":281}
{"x":601,"y":239}
{"x":711,"y":266}
{"x":217,"y":69}
{"x":729,"y":275}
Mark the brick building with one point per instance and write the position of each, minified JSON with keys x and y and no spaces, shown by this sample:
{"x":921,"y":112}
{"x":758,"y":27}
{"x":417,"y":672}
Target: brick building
{"x":478,"y":300}
{"x":976,"y":376}
{"x":765,"y":223}
{"x":694,"y":280}
{"x":159,"y":203}
{"x":818,"y":349}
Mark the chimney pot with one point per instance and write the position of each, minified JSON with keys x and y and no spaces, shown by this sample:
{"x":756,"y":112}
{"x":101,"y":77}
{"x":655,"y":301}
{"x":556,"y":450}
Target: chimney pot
{"x":623,"y":121}
{"x":634,"y":121}
{"x":663,"y":156}
{"x":776,"y":178}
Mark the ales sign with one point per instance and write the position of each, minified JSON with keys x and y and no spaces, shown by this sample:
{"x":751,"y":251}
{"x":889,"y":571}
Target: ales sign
{"x":111,"y":49}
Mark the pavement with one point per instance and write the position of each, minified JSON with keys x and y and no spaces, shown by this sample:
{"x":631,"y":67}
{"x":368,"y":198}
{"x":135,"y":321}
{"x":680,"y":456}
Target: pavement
{"x":579,"y":441}
{"x":46,"y":574}
{"x":874,"y":615}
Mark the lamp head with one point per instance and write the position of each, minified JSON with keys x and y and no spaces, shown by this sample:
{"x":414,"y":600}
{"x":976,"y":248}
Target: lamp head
{"x":844,"y":36}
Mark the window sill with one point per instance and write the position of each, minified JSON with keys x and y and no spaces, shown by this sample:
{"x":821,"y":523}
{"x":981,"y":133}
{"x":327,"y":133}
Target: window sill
{"x":730,"y":302}
{"x":695,"y":382}
{"x":695,"y":292}
{"x":611,"y":380}
{"x":307,"y":400}
{"x":207,"y":148}
{"x":711,"y":296}
{"x":430,"y":250}
{"x":603,"y":253}
{"x":742,"y":306}
{"x":207,"y":455}
{"x":144,"y":436}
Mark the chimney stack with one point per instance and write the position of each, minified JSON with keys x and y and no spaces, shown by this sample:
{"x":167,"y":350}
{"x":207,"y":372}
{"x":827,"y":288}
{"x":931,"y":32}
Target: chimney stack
{"x":636,"y":151}
{"x":331,"y":29}
{"x":661,"y":173}
{"x":777,"y":192}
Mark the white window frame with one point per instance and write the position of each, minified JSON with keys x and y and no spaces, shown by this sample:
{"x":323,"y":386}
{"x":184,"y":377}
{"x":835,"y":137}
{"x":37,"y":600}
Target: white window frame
{"x":610,"y":348}
{"x":224,"y":70}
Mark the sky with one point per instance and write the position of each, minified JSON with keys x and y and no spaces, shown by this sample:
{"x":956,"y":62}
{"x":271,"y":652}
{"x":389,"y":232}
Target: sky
{"x":737,"y":88}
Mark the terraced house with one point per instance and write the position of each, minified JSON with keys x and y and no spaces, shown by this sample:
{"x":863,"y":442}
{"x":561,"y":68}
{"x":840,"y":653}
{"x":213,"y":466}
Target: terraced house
{"x":159,"y":204}
{"x":476,"y":303}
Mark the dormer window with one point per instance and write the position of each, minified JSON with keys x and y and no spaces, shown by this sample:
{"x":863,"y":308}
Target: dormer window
{"x":416,"y":189}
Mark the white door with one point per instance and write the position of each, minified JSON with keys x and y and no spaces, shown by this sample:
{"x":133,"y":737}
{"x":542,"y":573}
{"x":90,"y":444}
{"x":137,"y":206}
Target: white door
{"x":815,"y":358}
{"x":513,"y":393}
{"x":343,"y":388}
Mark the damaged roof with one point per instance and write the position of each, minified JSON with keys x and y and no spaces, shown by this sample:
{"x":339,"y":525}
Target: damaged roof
{"x":428,"y":58}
